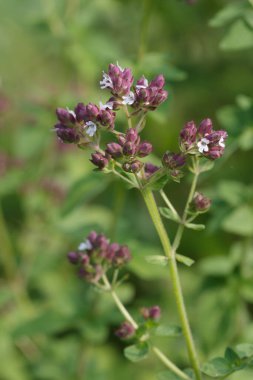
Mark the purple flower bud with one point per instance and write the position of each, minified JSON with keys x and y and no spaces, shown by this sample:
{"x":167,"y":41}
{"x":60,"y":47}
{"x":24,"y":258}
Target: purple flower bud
{"x":73,"y":257}
{"x":201,"y":203}
{"x":132,"y":166}
{"x":114,"y":150}
{"x":158,"y":82}
{"x":142,"y":82}
{"x":101,"y":242}
{"x":205,"y":127}
{"x":65,"y":117}
{"x":111,"y":251}
{"x":129,"y":148}
{"x":188,"y":135}
{"x":173,"y":160}
{"x":99,"y":160}
{"x":106,"y":118}
{"x":155,"y":312}
{"x":92,"y":237}
{"x":122,"y":256}
{"x":125,"y":331}
{"x":66,"y":135}
{"x":132,"y":135}
{"x":150,"y":169}
{"x":118,"y":80}
{"x":159,"y":98}
{"x":144,"y":149}
{"x":215,"y":152}
{"x":121,"y":139}
{"x":85,"y":259}
{"x":86,"y":113}
{"x":176,"y":175}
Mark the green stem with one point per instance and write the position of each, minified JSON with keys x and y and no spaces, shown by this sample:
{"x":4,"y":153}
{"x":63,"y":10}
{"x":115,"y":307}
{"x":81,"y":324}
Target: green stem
{"x":168,"y":203}
{"x":129,"y":120}
{"x":168,"y":363}
{"x":181,"y":227}
{"x":123,"y":177}
{"x":170,"y":253}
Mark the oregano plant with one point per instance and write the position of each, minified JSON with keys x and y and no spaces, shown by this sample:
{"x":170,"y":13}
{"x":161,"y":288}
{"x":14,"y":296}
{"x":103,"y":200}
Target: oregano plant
{"x":98,"y":260}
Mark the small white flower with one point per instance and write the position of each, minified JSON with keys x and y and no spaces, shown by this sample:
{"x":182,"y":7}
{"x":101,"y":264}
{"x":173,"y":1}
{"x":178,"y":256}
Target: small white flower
{"x":203,"y":145}
{"x":144,"y":85}
{"x":221,"y":142}
{"x":106,"y":82}
{"x":105,"y":106}
{"x":92,"y":128}
{"x":128,"y":99}
{"x":71,"y":112}
{"x":85,"y":245}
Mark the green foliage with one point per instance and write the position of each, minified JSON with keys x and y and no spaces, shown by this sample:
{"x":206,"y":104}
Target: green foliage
{"x":52,"y":325}
{"x":137,"y":352}
{"x":240,"y":34}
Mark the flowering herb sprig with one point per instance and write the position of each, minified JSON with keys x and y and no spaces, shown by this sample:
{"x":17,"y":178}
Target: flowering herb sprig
{"x":97,"y":259}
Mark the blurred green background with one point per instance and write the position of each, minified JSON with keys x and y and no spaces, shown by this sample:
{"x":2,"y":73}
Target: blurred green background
{"x":52,"y":325}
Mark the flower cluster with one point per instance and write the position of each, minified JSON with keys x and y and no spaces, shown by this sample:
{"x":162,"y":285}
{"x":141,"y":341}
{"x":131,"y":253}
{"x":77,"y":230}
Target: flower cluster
{"x":143,"y":96}
{"x":174,"y":162}
{"x":204,"y":140}
{"x":81,"y":125}
{"x":96,"y":255}
{"x":129,"y":148}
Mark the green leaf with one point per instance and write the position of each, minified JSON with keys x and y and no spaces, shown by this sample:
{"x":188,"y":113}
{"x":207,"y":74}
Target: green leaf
{"x":240,"y":221}
{"x":227,"y":14}
{"x":136,"y":352}
{"x":184,"y":260}
{"x":208,"y":165}
{"x":240,"y":36}
{"x":168,"y":330}
{"x":196,"y":227}
{"x":244,"y":350}
{"x":168,"y":375}
{"x":169,"y":214}
{"x":217,"y":367}
{"x":157,"y":260}
{"x":157,"y":184}
{"x":217,"y":266}
{"x":231,"y":355}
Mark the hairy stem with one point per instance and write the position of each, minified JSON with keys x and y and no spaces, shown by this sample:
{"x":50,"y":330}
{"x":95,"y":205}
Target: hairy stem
{"x":177,"y":290}
{"x":168,"y":363}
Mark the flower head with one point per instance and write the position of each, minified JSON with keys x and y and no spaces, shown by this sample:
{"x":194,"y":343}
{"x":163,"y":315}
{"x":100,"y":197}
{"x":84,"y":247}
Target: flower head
{"x":125,"y":331}
{"x":95,"y":255}
{"x":200,"y":203}
{"x":204,"y":140}
{"x":117,"y":80}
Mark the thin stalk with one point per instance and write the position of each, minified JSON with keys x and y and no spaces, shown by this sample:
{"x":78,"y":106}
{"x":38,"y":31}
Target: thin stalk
{"x":123,"y":177}
{"x":181,"y":227}
{"x":177,"y":289}
{"x":168,"y":203}
{"x":168,"y":363}
{"x":129,"y":120}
